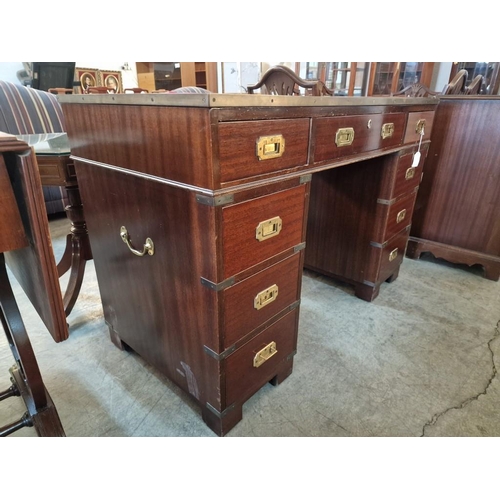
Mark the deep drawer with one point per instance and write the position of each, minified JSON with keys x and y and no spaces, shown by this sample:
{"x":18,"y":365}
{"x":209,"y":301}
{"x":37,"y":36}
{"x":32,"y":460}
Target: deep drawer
{"x":334,"y":137}
{"x":415,"y":121}
{"x":243,"y":377}
{"x":255,"y":230}
{"x":252,"y":148}
{"x":255,"y":300}
{"x":393,"y":218}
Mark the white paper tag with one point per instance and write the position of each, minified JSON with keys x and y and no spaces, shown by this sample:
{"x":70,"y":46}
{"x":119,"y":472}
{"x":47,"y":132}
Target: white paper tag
{"x":416,"y":159}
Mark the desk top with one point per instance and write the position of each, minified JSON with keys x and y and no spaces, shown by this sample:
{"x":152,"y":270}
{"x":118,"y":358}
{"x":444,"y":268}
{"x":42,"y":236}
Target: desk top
{"x":241,"y":100}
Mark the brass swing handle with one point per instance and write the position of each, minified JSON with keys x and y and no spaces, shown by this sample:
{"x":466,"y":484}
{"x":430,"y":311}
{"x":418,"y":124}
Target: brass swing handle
{"x":148,"y":246}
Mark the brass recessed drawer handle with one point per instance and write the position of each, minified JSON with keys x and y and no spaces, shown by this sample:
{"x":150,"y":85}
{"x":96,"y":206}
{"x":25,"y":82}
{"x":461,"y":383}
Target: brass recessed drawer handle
{"x":264,"y":354}
{"x":265,"y":297}
{"x":401,"y":216}
{"x":270,"y":146}
{"x":149,"y":247}
{"x":393,"y":255}
{"x":420,"y":127}
{"x":344,"y":136}
{"x":387,"y":130}
{"x":268,"y":228}
{"x":410,"y":173}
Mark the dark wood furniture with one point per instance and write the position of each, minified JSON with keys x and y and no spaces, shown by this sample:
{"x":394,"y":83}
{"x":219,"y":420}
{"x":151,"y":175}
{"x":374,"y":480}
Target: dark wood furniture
{"x":16,"y":236}
{"x":281,"y":80}
{"x":197,"y":208}
{"x":56,"y":169}
{"x":457,"y":213}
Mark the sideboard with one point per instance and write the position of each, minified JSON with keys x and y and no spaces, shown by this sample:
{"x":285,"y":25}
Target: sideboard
{"x":457,"y":213}
{"x":202,"y":211}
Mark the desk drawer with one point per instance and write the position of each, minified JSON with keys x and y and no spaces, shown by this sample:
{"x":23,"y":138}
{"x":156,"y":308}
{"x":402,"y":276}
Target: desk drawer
{"x":243,"y":378}
{"x":385,"y":259}
{"x":348,"y":135}
{"x":56,"y":170}
{"x":391,"y":219}
{"x":257,"y":299}
{"x":251,"y":148}
{"x":416,"y":120}
{"x":408,"y":177}
{"x":255,"y":230}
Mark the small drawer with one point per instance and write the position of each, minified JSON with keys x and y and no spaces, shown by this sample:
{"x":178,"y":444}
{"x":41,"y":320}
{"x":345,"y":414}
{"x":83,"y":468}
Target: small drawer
{"x":255,"y":230}
{"x":257,"y":299}
{"x":335,"y":137}
{"x":415,"y":122}
{"x":391,"y":219}
{"x":385,"y":259}
{"x":257,"y":362}
{"x":408,"y":177}
{"x":252,"y":148}
{"x":56,"y":171}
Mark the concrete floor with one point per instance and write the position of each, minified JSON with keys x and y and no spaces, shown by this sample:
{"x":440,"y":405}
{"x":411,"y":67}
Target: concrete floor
{"x":421,"y":360}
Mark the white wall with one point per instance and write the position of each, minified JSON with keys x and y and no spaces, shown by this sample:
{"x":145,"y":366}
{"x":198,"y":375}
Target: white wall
{"x":8,"y":71}
{"x":440,"y":76}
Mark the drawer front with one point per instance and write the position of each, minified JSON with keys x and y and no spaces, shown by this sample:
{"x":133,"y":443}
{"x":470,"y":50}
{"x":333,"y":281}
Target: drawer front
{"x":408,"y":177}
{"x":256,"y":230}
{"x":399,"y":216}
{"x":251,"y":148}
{"x":56,"y":171}
{"x":347,"y":135}
{"x":415,"y":121}
{"x":385,"y":261}
{"x":243,"y":378}
{"x":255,"y":300}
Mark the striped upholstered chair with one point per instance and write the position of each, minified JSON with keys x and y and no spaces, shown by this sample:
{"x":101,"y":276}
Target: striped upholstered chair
{"x":28,"y":111}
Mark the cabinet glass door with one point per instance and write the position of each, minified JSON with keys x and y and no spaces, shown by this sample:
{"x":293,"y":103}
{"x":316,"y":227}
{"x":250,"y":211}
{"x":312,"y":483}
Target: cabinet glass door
{"x":383,"y":78}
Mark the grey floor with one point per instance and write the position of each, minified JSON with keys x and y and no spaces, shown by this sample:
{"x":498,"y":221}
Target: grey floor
{"x":421,"y":360}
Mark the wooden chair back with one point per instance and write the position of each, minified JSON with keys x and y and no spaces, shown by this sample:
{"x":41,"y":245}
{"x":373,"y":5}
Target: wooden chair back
{"x":457,"y":85}
{"x":475,"y":86}
{"x":100,"y":90}
{"x":281,"y":80}
{"x":136,"y":90}
{"x":416,"y":90}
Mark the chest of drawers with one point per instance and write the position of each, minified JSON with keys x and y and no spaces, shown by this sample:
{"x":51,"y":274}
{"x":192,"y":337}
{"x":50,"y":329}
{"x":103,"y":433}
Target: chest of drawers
{"x":197,"y":208}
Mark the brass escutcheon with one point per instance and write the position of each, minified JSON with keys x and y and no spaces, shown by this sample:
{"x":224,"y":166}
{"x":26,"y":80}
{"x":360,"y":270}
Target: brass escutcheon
{"x":401,"y":216}
{"x":393,"y":255}
{"x":148,"y":248}
{"x":420,"y":127}
{"x":344,"y":136}
{"x":270,"y":146}
{"x":264,"y":354}
{"x":268,"y":228}
{"x":410,"y":173}
{"x":266,"y":297}
{"x":387,"y":130}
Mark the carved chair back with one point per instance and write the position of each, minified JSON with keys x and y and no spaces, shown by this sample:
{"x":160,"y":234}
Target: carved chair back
{"x":415,"y":90}
{"x":281,"y":80}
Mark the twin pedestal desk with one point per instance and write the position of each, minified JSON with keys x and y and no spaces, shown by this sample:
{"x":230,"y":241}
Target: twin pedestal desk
{"x":203,"y":209}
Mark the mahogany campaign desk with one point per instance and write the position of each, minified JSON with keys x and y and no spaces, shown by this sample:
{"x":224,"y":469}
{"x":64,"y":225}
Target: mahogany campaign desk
{"x":199,"y":208}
